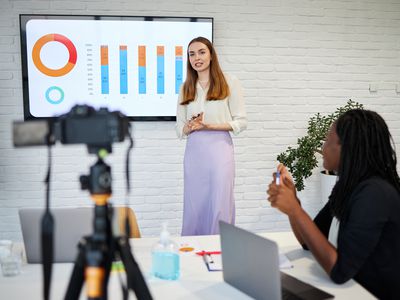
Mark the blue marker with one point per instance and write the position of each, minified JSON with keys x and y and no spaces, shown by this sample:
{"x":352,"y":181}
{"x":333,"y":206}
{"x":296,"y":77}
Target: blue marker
{"x":277,"y":177}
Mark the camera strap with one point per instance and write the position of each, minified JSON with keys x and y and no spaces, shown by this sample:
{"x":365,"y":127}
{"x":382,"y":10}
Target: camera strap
{"x":128,"y":183}
{"x":47,"y":227}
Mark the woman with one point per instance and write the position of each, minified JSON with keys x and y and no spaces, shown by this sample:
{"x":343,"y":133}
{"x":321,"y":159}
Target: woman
{"x":365,"y":200}
{"x":210,"y":105}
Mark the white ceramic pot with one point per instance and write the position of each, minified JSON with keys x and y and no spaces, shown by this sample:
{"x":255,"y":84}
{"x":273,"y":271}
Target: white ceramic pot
{"x":327,"y":183}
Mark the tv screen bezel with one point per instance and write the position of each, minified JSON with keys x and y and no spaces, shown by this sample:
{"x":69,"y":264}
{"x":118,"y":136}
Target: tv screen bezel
{"x":24,"y":18}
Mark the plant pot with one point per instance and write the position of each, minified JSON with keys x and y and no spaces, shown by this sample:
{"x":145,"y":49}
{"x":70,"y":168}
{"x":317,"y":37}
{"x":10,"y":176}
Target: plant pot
{"x":327,"y":183}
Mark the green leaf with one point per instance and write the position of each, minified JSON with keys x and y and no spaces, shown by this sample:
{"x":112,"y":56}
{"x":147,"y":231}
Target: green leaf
{"x":302,"y":159}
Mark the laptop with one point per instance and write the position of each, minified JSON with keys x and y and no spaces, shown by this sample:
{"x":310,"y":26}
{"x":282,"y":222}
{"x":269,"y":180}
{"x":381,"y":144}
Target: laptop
{"x":251,"y":264}
{"x":71,"y":224}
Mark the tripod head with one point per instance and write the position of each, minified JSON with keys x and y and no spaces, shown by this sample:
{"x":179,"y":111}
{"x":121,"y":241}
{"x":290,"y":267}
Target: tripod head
{"x":99,"y":179}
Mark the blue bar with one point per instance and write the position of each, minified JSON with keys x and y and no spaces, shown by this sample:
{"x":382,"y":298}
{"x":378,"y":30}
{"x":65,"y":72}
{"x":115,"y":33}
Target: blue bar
{"x":178,"y":73}
{"x":160,"y":74}
{"x":105,"y":88}
{"x":123,"y":70}
{"x":142,"y":80}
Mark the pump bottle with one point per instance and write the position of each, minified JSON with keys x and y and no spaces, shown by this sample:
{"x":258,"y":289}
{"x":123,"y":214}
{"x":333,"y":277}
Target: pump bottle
{"x":165,"y":256}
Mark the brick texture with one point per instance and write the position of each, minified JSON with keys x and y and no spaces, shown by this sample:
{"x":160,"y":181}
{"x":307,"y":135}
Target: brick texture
{"x":294,"y":58}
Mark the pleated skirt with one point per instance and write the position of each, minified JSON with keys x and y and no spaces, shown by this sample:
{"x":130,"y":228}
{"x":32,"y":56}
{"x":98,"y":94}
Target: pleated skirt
{"x":209,"y":174}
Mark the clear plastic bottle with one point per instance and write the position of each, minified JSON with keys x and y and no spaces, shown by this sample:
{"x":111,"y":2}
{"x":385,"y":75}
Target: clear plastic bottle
{"x":165,"y":255}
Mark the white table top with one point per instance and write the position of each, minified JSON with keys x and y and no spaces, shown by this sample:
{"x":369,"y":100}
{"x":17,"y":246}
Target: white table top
{"x":195,"y":281}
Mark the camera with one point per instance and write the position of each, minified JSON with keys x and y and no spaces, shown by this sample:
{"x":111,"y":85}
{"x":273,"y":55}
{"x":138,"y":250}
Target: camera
{"x":81,"y":125}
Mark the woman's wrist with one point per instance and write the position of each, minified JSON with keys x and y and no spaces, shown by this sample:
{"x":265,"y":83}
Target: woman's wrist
{"x":207,"y":126}
{"x":296,"y":211}
{"x":186,"y":129}
{"x":221,"y":127}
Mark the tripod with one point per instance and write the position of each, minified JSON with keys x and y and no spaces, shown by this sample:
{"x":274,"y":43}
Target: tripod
{"x":96,"y":252}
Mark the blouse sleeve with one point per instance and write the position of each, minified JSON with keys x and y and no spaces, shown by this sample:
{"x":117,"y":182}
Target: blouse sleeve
{"x":237,"y":107}
{"x":361,"y":231}
{"x":180,"y":116}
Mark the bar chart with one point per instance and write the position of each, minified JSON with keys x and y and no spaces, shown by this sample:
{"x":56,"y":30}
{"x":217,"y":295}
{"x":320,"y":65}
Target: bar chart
{"x":157,"y":76}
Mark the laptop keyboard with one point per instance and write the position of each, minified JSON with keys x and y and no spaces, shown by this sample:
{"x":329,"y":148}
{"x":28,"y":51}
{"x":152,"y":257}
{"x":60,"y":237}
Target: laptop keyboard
{"x":292,"y":288}
{"x":288,"y":295}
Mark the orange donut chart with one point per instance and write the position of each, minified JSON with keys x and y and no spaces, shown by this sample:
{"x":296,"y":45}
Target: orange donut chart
{"x":53,"y":37}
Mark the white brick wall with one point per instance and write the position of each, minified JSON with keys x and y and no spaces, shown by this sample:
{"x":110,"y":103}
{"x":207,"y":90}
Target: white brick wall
{"x":294,"y":58}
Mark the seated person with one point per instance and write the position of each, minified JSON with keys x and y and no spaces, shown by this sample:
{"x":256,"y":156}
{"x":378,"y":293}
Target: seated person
{"x":365,"y":200}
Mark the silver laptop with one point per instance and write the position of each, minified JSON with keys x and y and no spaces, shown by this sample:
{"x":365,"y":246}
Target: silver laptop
{"x":250,"y":263}
{"x":71,"y":224}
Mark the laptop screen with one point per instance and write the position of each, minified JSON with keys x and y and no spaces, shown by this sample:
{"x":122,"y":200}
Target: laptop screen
{"x":250,"y":263}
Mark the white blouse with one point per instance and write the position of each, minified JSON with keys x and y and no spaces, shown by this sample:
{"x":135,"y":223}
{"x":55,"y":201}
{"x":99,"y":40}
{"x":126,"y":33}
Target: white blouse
{"x":334,"y":232}
{"x":229,"y":110}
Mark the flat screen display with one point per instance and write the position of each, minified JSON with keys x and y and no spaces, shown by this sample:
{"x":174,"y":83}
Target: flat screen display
{"x":132,"y":64}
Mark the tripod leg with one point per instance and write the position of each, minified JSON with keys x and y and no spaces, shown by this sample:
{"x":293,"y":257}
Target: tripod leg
{"x":135,"y":278}
{"x":77,"y":277}
{"x":47,"y":251}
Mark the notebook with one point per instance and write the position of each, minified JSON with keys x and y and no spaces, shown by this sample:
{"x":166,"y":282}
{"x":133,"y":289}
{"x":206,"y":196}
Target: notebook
{"x":71,"y":224}
{"x":251,"y":264}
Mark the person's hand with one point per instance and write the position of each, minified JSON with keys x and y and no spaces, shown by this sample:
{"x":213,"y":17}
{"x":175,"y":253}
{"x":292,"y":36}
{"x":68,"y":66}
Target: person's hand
{"x":284,"y":172}
{"x":283,"y":196}
{"x":186,"y":128}
{"x":196,"y":123}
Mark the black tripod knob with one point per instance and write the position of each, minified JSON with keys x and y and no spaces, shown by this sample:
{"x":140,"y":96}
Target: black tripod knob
{"x":99,"y":179}
{"x":84,"y":180}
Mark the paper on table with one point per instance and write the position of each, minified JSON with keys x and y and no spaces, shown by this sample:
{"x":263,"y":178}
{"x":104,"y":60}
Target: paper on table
{"x":284,"y":262}
{"x":213,"y":262}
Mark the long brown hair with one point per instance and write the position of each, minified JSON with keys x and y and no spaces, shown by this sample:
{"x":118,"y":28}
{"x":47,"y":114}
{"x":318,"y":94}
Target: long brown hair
{"x":218,"y":89}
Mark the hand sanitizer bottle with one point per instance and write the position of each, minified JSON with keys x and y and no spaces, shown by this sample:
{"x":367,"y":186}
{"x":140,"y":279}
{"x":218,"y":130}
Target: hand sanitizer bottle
{"x":165,"y":257}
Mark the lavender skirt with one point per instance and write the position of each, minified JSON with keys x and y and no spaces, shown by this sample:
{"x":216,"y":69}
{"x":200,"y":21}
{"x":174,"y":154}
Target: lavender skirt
{"x":209,"y":172}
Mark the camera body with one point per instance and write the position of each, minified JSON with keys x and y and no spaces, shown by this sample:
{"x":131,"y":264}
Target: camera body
{"x":81,"y":125}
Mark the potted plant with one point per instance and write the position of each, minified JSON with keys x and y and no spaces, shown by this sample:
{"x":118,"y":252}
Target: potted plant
{"x":302,"y":159}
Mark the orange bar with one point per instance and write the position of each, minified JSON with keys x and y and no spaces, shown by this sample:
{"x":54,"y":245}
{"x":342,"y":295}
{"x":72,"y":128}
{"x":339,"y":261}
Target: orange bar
{"x":104,"y":55}
{"x":160,"y":50}
{"x":142,"y":56}
{"x":123,"y":47}
{"x":178,"y":50}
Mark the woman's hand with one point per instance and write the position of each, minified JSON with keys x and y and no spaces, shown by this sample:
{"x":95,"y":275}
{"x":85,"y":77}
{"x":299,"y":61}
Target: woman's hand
{"x":283,"y":196}
{"x":186,"y":128}
{"x":196,"y":123}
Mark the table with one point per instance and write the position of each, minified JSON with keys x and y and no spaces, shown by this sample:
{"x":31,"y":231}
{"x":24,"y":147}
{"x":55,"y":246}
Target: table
{"x":195,"y":281}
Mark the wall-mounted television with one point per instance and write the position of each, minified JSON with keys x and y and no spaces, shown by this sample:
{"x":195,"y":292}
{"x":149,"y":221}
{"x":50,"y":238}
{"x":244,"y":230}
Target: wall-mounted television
{"x":127,"y":63}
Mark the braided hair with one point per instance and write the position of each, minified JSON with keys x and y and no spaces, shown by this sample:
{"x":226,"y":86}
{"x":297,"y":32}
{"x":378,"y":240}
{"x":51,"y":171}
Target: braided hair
{"x":367,"y":149}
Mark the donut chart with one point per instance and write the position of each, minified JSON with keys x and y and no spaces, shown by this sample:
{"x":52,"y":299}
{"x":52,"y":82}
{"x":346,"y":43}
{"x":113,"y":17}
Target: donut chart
{"x":57,"y":91}
{"x":54,"y":38}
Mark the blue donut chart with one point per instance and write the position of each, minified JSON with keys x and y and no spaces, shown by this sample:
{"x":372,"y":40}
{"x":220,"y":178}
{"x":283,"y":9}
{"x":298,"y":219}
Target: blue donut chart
{"x":54,"y":101}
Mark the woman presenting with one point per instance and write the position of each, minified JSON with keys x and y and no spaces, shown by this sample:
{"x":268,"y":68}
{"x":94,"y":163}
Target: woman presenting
{"x":210,"y":104}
